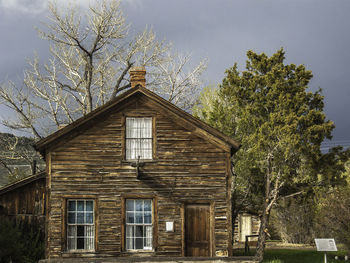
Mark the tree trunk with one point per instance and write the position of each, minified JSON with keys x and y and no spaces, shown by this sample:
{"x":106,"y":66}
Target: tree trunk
{"x":264,"y":224}
{"x":88,"y":81}
{"x":234,"y":214}
{"x":260,"y":248}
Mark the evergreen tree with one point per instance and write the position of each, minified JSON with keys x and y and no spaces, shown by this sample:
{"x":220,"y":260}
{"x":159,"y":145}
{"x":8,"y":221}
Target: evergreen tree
{"x":279,"y":123}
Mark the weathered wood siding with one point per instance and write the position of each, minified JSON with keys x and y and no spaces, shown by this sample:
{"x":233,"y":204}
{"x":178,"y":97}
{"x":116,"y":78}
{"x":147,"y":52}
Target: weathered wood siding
{"x":186,"y":169}
{"x":26,"y":202}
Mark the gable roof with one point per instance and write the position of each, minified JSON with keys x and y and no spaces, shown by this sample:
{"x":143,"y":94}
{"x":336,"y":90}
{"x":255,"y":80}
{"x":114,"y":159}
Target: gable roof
{"x":199,"y":126}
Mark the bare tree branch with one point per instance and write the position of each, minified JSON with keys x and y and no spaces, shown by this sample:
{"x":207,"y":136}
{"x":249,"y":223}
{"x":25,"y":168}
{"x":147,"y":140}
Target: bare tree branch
{"x":91,"y":54}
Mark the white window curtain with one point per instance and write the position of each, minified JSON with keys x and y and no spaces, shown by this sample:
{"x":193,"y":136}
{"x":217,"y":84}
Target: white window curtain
{"x":80,"y":225}
{"x":139,"y":226}
{"x":138,"y":138}
{"x":148,"y":240}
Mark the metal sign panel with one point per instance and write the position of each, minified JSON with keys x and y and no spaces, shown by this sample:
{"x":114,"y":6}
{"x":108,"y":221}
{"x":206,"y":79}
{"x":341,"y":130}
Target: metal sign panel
{"x":325,"y":244}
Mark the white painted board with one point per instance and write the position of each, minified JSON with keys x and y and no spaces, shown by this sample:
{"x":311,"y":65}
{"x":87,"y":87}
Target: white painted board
{"x":169,"y":226}
{"x":325,"y":244}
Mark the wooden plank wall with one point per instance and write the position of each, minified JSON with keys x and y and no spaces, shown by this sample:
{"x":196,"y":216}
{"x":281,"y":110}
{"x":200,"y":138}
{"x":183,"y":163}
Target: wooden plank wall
{"x":186,"y":169}
{"x":26,"y":202}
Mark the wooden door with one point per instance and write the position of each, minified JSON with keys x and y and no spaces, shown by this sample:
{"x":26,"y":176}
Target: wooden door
{"x":246,"y":226}
{"x":197,"y":230}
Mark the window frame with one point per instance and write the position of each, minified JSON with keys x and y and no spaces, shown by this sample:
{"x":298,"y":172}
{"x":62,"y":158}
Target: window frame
{"x":154,"y":203}
{"x":135,"y":224}
{"x":154,"y":133}
{"x":64,"y":233}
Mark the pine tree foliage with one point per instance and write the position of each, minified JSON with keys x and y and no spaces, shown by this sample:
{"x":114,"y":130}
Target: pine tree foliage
{"x":279,"y":123}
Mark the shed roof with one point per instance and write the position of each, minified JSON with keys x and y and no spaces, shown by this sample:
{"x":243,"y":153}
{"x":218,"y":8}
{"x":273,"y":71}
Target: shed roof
{"x":22,"y":182}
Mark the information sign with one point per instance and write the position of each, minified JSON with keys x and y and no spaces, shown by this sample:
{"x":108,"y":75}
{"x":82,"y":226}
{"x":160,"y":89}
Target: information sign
{"x":169,"y":226}
{"x":325,"y":244}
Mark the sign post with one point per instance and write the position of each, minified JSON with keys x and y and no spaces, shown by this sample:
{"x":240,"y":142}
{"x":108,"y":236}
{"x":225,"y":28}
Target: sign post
{"x":325,"y":245}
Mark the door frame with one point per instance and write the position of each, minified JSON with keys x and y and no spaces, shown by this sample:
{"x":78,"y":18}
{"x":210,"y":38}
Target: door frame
{"x":211,"y":222}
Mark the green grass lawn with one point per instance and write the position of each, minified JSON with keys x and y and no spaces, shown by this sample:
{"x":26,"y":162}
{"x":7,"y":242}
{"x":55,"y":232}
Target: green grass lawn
{"x":297,"y":256}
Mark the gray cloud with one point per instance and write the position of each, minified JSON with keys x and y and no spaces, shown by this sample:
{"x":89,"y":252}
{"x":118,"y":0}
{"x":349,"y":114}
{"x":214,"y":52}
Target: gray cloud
{"x":313,"y":32}
{"x":28,"y":7}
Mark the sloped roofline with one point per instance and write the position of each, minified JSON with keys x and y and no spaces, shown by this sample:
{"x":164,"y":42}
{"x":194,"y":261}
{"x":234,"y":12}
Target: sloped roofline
{"x":22,"y":182}
{"x":42,"y":144}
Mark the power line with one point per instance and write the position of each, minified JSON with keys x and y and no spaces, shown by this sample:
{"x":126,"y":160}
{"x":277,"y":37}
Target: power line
{"x":332,"y":144}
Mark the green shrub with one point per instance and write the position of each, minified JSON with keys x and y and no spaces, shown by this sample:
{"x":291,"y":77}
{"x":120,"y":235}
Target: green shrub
{"x":334,"y":214}
{"x":11,"y":243}
{"x":34,"y":245}
{"x":21,"y":242}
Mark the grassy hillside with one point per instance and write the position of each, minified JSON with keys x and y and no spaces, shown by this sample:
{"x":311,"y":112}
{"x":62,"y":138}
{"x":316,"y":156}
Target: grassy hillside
{"x":9,"y":148}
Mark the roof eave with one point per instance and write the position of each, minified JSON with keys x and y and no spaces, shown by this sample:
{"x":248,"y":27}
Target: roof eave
{"x":22,"y":182}
{"x":43,"y":143}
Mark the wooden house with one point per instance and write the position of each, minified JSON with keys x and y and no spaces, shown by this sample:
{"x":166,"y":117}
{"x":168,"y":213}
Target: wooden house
{"x":138,"y":177}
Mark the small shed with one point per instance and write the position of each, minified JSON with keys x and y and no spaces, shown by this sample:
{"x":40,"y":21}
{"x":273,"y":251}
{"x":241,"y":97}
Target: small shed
{"x":246,"y":224}
{"x":24,"y":200}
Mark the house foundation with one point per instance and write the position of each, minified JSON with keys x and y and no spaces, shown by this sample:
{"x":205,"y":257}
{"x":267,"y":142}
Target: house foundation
{"x":154,"y":259}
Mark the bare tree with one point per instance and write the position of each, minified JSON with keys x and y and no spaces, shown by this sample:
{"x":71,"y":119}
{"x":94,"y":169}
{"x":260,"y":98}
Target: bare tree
{"x":16,"y":157}
{"x":90,"y":59}
{"x":176,"y":85}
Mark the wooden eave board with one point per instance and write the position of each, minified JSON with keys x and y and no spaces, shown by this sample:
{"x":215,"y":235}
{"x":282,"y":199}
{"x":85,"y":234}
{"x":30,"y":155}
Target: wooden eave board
{"x":198,"y":127}
{"x":51,"y":139}
{"x":186,"y":116}
{"x":119,"y":107}
{"x":182,"y":122}
{"x":20,"y":183}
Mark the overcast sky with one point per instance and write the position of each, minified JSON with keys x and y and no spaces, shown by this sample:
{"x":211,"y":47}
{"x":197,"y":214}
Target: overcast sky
{"x":315,"y":33}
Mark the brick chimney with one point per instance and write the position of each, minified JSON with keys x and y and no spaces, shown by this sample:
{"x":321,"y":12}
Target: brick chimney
{"x":137,"y":76}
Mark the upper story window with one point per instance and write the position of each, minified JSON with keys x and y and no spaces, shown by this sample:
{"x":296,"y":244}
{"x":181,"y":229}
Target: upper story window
{"x":138,"y":138}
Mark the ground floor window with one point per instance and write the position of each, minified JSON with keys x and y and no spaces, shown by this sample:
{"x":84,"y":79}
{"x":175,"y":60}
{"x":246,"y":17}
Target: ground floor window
{"x":80,"y":225}
{"x":139,"y":226}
